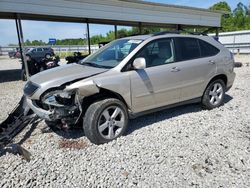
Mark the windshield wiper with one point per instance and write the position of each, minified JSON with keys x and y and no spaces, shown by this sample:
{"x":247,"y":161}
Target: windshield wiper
{"x":89,"y":63}
{"x":96,"y":65}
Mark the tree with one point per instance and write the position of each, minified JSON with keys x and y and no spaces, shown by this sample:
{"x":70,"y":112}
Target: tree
{"x":223,"y":6}
{"x":226,"y":20}
{"x":240,"y":16}
{"x":238,"y":19}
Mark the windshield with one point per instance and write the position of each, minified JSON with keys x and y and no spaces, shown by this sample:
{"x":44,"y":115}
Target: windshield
{"x":111,"y":54}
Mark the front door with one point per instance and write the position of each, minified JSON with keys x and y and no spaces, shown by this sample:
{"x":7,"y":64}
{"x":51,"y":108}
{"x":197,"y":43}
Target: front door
{"x":158,"y":84}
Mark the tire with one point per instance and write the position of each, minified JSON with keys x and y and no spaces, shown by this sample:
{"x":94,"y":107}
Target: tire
{"x":237,"y":64}
{"x":214,"y":94}
{"x":23,"y":75}
{"x":47,"y":56}
{"x":98,"y":124}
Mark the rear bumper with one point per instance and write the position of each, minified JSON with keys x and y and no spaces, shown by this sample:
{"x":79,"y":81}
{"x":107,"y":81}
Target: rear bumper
{"x":43,"y":114}
{"x":230,"y":81}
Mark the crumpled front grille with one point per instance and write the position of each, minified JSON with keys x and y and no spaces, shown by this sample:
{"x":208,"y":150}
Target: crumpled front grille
{"x":30,"y":88}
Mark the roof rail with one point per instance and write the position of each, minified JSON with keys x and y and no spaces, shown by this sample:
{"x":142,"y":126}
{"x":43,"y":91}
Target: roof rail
{"x":166,"y":32}
{"x":180,"y":32}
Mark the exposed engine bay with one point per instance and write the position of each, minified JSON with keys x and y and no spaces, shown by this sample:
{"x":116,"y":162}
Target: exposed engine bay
{"x":64,"y":106}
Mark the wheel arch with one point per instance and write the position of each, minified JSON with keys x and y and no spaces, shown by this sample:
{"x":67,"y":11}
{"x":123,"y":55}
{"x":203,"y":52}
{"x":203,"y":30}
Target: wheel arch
{"x":103,"y":94}
{"x":223,"y":77}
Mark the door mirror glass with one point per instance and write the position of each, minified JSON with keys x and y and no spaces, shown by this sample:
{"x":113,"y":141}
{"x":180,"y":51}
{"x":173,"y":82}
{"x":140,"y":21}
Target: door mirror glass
{"x":139,"y":63}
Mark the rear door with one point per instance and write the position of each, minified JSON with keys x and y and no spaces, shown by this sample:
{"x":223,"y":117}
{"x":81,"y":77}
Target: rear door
{"x":196,"y":66}
{"x":40,"y":53}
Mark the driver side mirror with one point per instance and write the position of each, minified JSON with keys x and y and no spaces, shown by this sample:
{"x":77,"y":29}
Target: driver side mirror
{"x":139,"y":63}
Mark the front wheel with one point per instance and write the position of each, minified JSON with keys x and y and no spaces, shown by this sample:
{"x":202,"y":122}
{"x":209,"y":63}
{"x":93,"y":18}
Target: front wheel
{"x":105,"y":120}
{"x":214,"y":94}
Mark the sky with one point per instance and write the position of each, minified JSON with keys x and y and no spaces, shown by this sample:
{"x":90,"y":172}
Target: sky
{"x":40,"y":30}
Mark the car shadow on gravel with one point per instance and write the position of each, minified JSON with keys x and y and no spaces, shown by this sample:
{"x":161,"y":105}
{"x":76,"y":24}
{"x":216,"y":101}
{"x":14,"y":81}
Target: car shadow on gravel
{"x":140,"y":122}
{"x":10,"y":75}
{"x":162,"y":115}
{"x":71,"y":133}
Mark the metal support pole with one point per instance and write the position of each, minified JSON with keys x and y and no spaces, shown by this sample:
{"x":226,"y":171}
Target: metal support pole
{"x":88,"y":37}
{"x":178,"y":27}
{"x":217,"y":32}
{"x":116,"y":34}
{"x":21,"y":44}
{"x":140,"y":28}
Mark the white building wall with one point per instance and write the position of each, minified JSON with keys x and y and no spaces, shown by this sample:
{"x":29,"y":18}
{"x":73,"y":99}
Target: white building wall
{"x":236,"y":42}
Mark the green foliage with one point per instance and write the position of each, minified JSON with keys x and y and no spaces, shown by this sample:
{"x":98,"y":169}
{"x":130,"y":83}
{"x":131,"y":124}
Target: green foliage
{"x":34,"y":43}
{"x":238,"y":19}
{"x":62,"y":55}
{"x":221,"y":6}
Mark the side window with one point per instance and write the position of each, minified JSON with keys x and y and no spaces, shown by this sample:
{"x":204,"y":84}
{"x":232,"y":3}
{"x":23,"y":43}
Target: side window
{"x":187,"y":48}
{"x":207,"y":49}
{"x":158,"y":52}
{"x":39,"y":49}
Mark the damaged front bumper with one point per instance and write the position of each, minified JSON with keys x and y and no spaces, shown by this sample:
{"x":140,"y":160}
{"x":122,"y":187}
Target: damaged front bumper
{"x":43,"y":114}
{"x":66,"y":114}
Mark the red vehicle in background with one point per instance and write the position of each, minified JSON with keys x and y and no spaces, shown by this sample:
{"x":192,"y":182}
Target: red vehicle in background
{"x":16,"y":53}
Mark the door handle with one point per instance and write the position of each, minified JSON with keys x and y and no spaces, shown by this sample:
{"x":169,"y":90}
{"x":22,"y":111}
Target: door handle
{"x":211,"y":62}
{"x":175,"y":69}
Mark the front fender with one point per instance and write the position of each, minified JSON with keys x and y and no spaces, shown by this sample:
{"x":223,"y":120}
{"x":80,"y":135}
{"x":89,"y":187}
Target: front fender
{"x":84,"y":88}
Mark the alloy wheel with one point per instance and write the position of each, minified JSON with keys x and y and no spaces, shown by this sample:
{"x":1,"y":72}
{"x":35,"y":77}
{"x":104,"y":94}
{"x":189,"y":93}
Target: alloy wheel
{"x":111,"y":122}
{"x":216,"y":94}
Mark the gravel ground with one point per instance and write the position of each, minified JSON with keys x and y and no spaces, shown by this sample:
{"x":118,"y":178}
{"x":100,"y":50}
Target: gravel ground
{"x":180,"y":147}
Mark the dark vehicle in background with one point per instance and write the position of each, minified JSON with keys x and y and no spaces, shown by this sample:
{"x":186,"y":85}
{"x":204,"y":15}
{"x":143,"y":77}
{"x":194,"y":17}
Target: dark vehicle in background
{"x":40,"y":52}
{"x":12,"y":54}
{"x":35,"y":66}
{"x":101,"y":44}
{"x":75,"y":58}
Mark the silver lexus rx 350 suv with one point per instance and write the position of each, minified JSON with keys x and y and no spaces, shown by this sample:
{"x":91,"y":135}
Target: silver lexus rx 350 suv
{"x":131,"y":77}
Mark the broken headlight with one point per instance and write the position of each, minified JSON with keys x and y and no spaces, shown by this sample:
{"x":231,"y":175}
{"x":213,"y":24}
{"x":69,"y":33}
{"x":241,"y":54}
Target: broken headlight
{"x":59,"y":98}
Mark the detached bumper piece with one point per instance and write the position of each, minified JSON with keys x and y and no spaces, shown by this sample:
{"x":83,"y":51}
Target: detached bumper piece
{"x":18,"y":119}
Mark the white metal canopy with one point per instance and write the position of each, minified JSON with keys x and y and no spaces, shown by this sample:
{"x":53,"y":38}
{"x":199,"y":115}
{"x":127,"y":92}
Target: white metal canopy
{"x":119,"y":12}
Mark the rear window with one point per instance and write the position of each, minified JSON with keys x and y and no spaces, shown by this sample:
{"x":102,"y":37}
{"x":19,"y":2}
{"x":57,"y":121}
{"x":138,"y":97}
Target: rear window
{"x":207,"y":49}
{"x":187,"y":48}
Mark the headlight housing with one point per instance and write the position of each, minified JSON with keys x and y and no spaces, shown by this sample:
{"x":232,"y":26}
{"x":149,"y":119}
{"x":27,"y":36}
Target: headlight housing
{"x":30,"y":88}
{"x":59,"y":98}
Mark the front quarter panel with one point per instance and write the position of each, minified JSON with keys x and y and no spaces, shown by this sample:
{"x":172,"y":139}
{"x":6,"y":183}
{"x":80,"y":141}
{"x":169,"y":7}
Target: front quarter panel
{"x":84,"y":88}
{"x":117,"y":82}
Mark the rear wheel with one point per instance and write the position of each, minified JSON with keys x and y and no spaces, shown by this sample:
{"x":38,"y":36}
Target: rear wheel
{"x":47,"y":56}
{"x":214,"y":94}
{"x":105,"y":120}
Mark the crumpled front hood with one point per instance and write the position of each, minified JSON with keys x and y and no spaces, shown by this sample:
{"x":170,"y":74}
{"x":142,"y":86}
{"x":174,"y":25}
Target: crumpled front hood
{"x":63,"y":74}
